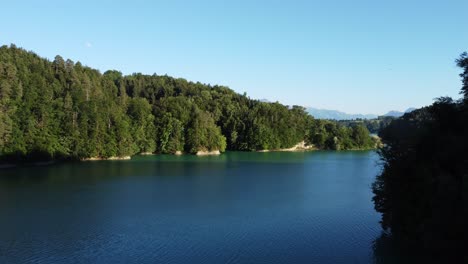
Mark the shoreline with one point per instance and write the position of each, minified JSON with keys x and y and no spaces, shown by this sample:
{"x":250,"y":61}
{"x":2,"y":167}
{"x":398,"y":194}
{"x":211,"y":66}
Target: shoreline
{"x":178,"y":153}
{"x":146,"y":153}
{"x":299,"y":147}
{"x":208,"y":153}
{"x":110,"y":158}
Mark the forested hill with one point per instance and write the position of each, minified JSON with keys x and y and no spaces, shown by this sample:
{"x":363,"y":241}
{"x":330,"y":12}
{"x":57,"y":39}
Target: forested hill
{"x":61,"y":109}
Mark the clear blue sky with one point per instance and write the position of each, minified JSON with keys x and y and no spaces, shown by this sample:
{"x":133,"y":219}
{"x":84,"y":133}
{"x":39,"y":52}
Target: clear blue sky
{"x":354,"y":56}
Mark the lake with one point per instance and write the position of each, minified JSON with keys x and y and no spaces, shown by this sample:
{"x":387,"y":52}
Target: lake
{"x":240,"y":207}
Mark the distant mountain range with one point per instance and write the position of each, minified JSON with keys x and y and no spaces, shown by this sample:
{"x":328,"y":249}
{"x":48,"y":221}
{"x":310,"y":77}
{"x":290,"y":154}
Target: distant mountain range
{"x":398,"y":113}
{"x":338,"y":115}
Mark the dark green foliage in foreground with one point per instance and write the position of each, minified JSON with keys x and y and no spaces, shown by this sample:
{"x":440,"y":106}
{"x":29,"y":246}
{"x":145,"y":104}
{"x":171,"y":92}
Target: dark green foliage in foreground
{"x":62,"y":109}
{"x":422,"y":191}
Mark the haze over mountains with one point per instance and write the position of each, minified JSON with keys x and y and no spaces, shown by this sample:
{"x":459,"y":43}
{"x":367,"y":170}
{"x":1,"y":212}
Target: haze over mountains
{"x":338,"y":115}
{"x":398,"y":113}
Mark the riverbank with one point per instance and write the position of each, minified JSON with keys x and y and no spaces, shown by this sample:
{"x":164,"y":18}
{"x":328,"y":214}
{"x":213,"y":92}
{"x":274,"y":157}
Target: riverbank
{"x":301,"y":146}
{"x":208,"y":153}
{"x":110,"y":158}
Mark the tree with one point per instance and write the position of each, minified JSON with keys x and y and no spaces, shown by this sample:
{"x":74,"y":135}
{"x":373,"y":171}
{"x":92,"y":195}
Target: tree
{"x":202,"y":133}
{"x":143,"y":129}
{"x":462,"y":62}
{"x":360,"y":135}
{"x":421,"y":192}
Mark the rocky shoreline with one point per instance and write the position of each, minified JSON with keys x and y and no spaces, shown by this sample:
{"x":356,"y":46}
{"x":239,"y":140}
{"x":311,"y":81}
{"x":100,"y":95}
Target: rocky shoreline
{"x":208,"y":153}
{"x":301,"y":146}
{"x":110,"y":158}
{"x":146,"y":153}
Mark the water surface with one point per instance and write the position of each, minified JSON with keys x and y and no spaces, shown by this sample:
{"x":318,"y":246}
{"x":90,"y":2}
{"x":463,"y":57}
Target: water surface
{"x":312,"y":207}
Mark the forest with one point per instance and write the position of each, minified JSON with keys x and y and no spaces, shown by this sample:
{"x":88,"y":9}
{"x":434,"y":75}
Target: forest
{"x":374,"y":125}
{"x":422,"y":191}
{"x":58,"y":110}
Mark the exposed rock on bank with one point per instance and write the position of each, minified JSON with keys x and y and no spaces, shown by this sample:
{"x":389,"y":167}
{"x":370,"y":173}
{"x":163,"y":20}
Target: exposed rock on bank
{"x":377,"y":140}
{"x":110,"y":158}
{"x":207,"y":153}
{"x":301,"y":146}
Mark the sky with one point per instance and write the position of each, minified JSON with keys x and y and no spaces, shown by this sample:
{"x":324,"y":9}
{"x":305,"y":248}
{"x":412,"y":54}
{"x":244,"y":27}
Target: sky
{"x":353,"y":56}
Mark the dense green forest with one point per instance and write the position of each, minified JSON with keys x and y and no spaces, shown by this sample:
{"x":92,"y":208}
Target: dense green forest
{"x":373,"y":125}
{"x":64,"y":110}
{"x":422,"y":191}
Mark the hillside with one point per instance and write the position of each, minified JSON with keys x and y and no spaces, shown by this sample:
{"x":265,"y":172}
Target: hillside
{"x":64,"y":110}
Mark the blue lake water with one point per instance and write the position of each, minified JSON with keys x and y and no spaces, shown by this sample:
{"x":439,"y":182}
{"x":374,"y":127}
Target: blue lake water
{"x":311,"y":207}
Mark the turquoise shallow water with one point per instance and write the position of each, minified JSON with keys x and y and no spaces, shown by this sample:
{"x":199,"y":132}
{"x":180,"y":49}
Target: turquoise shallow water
{"x":311,"y":207}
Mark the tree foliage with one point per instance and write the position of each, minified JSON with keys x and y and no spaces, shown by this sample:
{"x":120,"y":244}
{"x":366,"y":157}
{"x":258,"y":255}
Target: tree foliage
{"x":373,"y":125}
{"x":62,"y":109}
{"x":422,"y":191}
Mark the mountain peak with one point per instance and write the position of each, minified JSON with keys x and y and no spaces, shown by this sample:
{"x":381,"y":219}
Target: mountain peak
{"x":395,"y":113}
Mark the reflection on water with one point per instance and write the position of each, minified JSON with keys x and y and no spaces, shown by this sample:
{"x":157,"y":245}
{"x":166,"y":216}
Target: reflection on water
{"x":236,"y":208}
